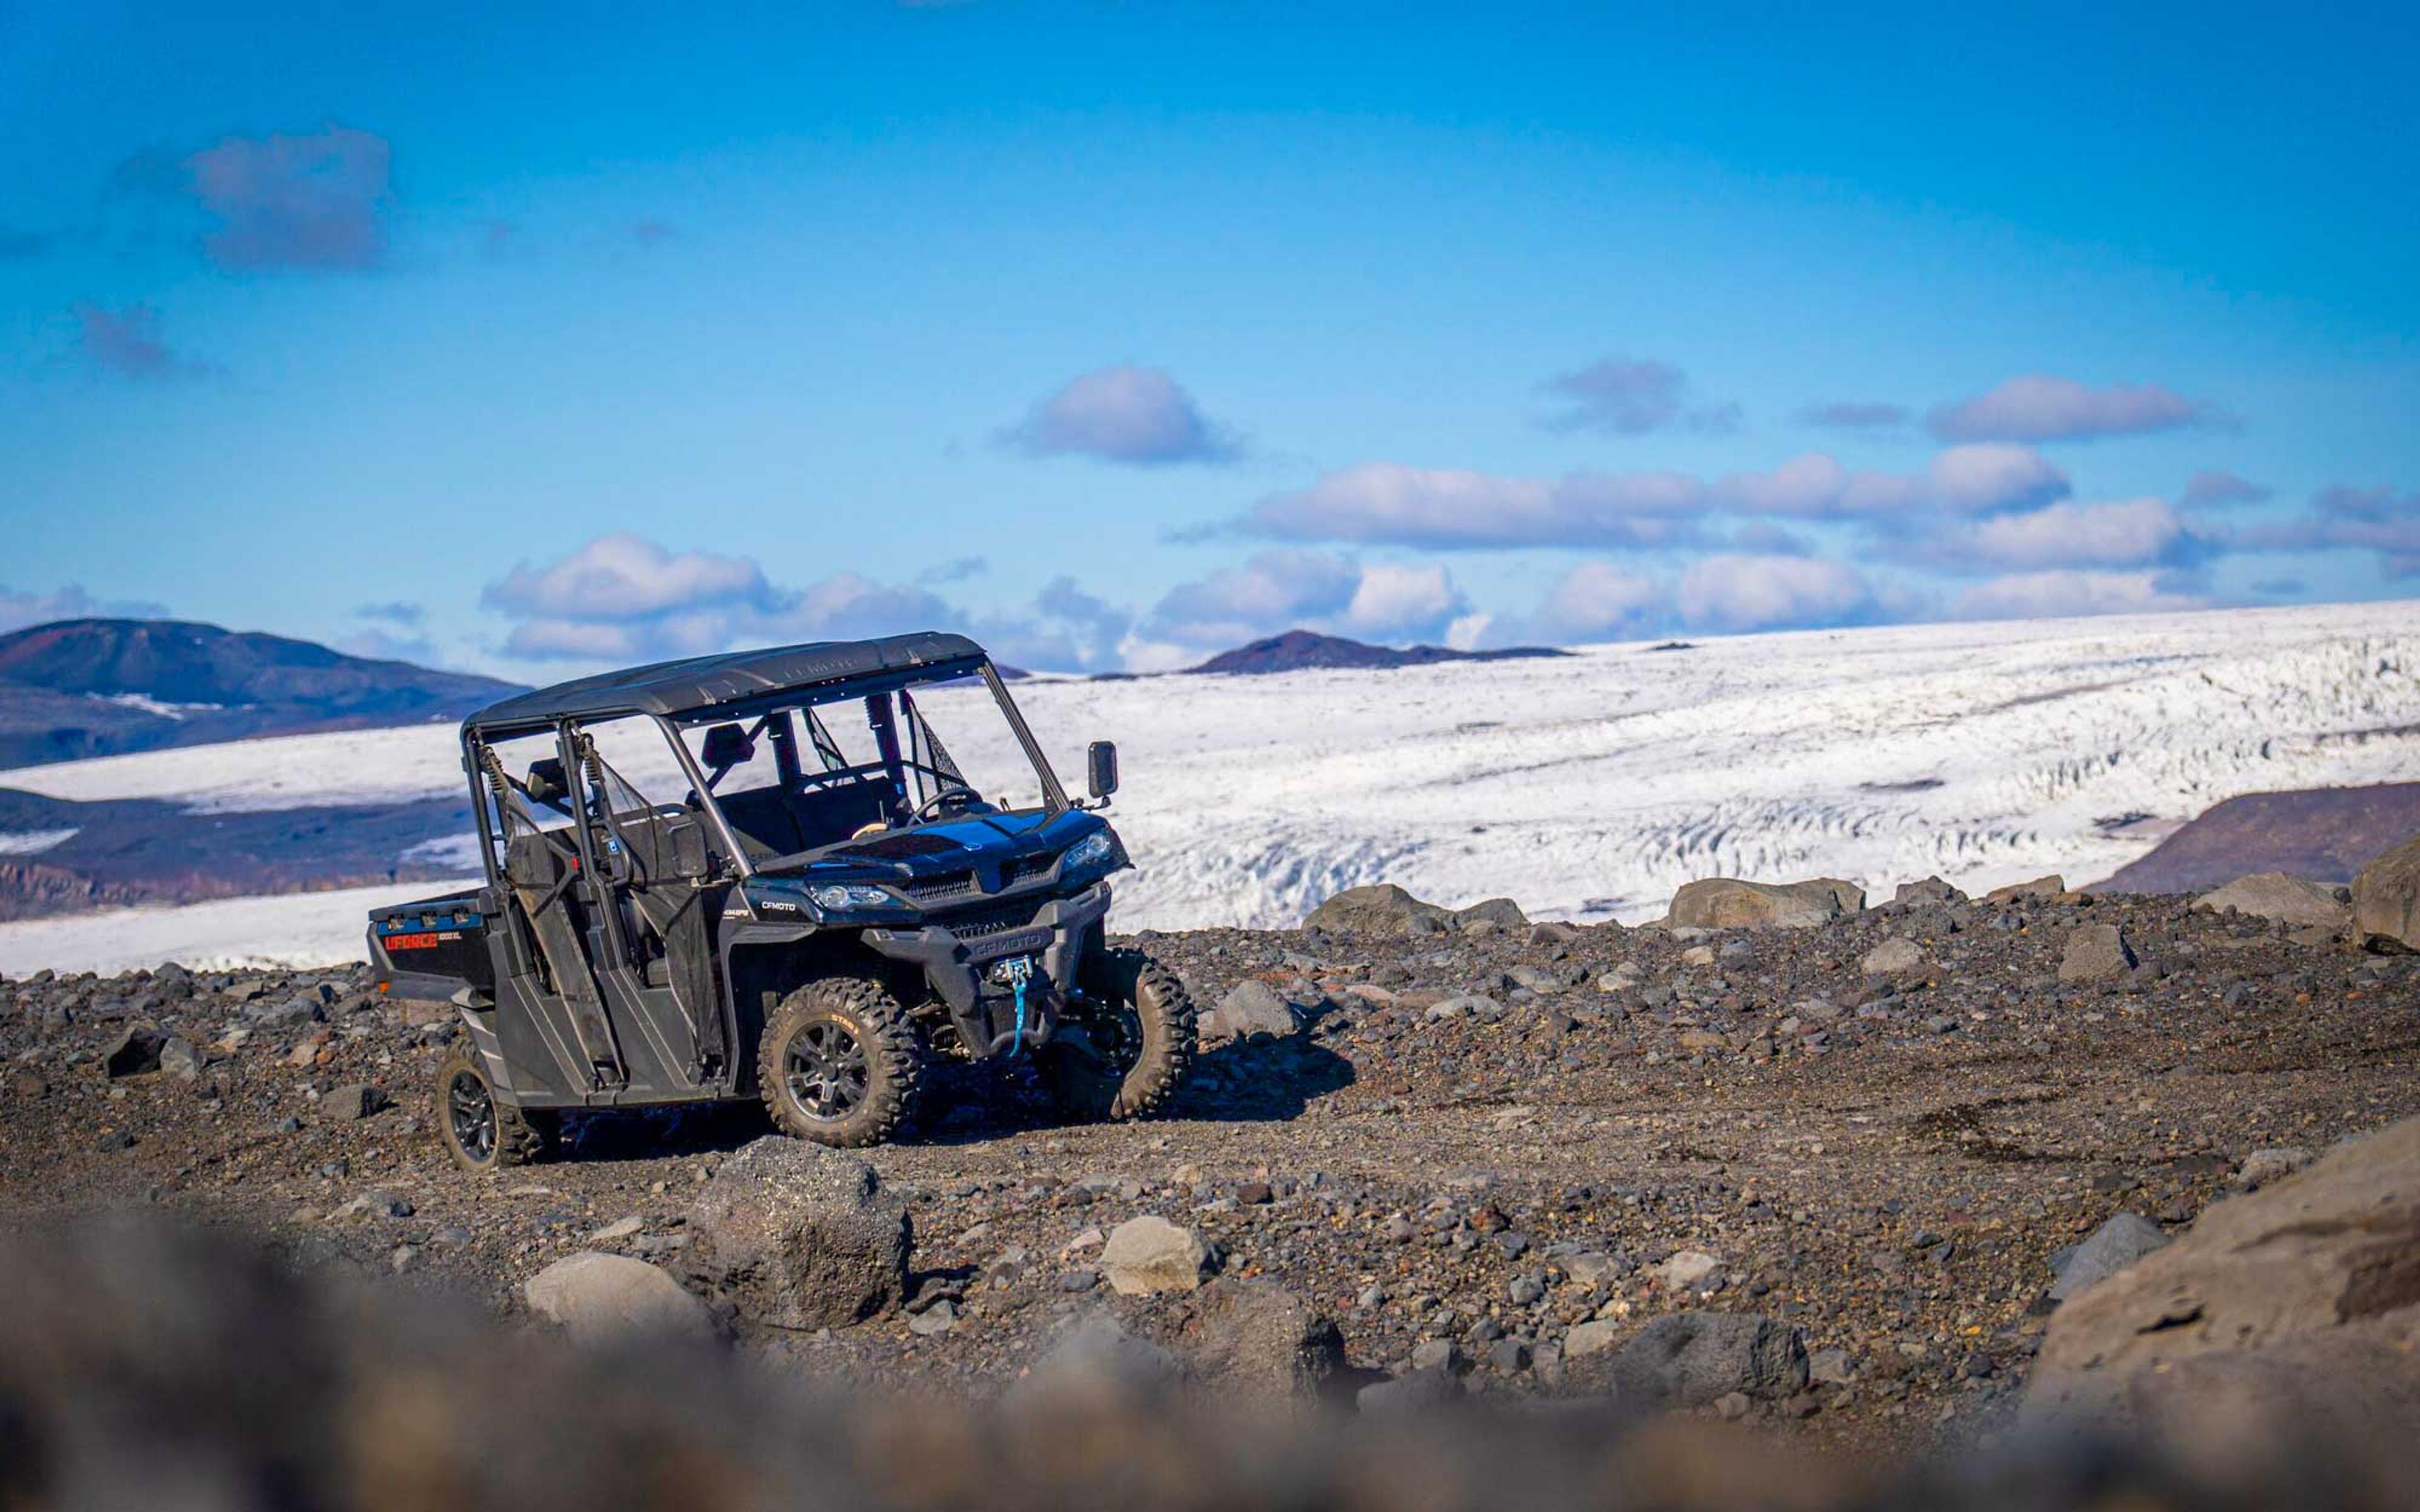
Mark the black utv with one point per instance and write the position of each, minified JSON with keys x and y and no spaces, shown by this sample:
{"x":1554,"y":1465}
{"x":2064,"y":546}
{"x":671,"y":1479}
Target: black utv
{"x":761,"y":875}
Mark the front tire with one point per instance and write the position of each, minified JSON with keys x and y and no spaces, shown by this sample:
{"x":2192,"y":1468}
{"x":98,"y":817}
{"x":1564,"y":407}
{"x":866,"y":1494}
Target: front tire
{"x":479,"y":1130}
{"x":1137,"y":1043}
{"x":839,"y":1063}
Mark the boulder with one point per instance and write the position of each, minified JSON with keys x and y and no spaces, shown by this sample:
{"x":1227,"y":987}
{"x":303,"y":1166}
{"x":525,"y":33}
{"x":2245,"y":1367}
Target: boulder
{"x":1258,"y":1341}
{"x":1930,"y":890}
{"x":612,"y":1299}
{"x":2281,"y":899}
{"x":1415,"y":1391}
{"x":1149,"y":1255}
{"x":2386,"y":899}
{"x":1254,"y":1007}
{"x":1499,"y":911}
{"x":2293,"y":1309}
{"x":799,"y":1236}
{"x":350,"y":1103}
{"x":178,"y":1058}
{"x":1892,"y":957}
{"x":2263,"y":1167}
{"x":2096,"y":953}
{"x":1593,"y":1337}
{"x":2048,"y":890}
{"x":133,"y":1053}
{"x":1688,"y":1270}
{"x":1686,"y":1360}
{"x":1729,"y":902}
{"x":1380,"y":909}
{"x":2113,"y":1245}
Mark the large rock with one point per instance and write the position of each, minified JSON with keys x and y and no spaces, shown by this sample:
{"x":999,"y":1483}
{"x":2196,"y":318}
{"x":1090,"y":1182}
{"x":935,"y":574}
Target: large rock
{"x":2296,"y":1308}
{"x":1149,"y":1255}
{"x":1255,"y":1340}
{"x":1688,"y":1359}
{"x":2281,"y":899}
{"x":1254,"y":1007}
{"x":133,"y":1053}
{"x":2113,"y":1245}
{"x":2386,"y":898}
{"x":2096,"y":953}
{"x":799,"y":1236}
{"x":1892,"y":957}
{"x":2048,"y":890}
{"x":1097,"y":1365}
{"x":609,"y":1299}
{"x":1502,"y":912}
{"x":1380,"y":909}
{"x":1727,"y":902}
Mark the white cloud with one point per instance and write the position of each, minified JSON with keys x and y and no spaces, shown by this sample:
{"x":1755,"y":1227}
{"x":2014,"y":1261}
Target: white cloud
{"x":2342,"y":517}
{"x":1599,"y":601}
{"x":1441,"y":507}
{"x":19,"y":610}
{"x":624,"y":576}
{"x":1276,"y":591}
{"x":2133,"y":532}
{"x":2212,"y":488}
{"x":1621,"y":397}
{"x":2046,"y":594}
{"x":1136,"y":415}
{"x":2040,"y":408}
{"x":1766,"y":593}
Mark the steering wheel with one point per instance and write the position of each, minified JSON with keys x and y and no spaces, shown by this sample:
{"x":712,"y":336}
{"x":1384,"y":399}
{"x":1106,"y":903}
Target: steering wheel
{"x":943,"y":801}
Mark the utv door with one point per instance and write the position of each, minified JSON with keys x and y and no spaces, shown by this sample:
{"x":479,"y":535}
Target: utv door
{"x":551,"y":1024}
{"x":660,"y":889}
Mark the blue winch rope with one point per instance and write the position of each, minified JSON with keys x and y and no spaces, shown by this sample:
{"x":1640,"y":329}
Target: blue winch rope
{"x":1017,"y":1046}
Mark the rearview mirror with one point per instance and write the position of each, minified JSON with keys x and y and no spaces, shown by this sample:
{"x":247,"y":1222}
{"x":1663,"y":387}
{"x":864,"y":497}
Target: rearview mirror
{"x":1101,"y":767}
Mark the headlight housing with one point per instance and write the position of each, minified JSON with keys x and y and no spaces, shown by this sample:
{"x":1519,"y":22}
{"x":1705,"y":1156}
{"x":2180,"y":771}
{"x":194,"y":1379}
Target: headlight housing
{"x":845,"y":897}
{"x":1096,"y":849}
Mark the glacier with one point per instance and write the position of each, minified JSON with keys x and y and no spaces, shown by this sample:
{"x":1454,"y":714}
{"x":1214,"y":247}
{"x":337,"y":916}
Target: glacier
{"x":1585,"y":787}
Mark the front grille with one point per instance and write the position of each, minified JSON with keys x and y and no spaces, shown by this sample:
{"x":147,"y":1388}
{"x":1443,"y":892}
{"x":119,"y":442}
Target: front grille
{"x":940,"y":888}
{"x":976,"y":923}
{"x":1027,"y":867}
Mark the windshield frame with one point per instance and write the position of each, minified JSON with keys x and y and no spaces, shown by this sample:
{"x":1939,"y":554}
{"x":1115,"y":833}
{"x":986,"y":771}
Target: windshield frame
{"x":810,"y":696}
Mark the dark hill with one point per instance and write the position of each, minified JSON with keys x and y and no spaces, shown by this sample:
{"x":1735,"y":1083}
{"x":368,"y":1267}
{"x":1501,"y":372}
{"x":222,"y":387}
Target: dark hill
{"x":1301,"y":650}
{"x":2320,"y":834}
{"x":98,"y":687}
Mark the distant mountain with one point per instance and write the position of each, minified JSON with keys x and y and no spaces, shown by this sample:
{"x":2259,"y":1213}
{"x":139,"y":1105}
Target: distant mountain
{"x":98,"y":687}
{"x":1300,"y":650}
{"x":2320,"y":834}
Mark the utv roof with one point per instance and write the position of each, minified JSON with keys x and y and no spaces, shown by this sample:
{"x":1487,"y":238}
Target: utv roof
{"x":673,"y":688}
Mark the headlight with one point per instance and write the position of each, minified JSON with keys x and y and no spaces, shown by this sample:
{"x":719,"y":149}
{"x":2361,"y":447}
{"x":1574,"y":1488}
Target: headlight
{"x":840,"y":897}
{"x":1096,"y":849}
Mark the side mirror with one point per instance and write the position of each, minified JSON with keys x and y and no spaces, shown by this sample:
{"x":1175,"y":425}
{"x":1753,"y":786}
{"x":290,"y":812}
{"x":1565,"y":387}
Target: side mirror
{"x":1101,"y":768}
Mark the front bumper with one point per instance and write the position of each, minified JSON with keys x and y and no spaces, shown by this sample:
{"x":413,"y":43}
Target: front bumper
{"x":986,"y":1017}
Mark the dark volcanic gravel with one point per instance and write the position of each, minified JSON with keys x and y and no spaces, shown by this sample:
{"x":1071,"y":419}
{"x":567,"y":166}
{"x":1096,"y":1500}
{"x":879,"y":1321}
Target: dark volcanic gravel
{"x":1479,"y":1139}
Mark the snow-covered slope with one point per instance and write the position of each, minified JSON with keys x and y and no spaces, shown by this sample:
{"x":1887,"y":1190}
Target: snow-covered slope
{"x":1595,"y":784}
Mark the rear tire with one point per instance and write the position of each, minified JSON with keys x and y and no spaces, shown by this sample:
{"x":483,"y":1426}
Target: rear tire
{"x":1138,"y":1036}
{"x":480,"y":1131}
{"x":839,"y":1063}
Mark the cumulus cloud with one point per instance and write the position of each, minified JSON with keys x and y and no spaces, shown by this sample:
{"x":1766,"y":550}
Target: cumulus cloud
{"x":2213,"y":489}
{"x":957,"y":570}
{"x":19,"y":608}
{"x":1454,"y":509}
{"x":126,"y":343}
{"x":2347,"y":519}
{"x":622,"y":598}
{"x":1620,"y":396}
{"x":1441,"y":507}
{"x":1286,"y":590}
{"x":2133,"y":532}
{"x":1854,"y":414}
{"x":2047,"y":594}
{"x":1598,"y":601}
{"x":2037,"y":406}
{"x":1729,"y":591}
{"x":318,"y":200}
{"x":1134,"y":415}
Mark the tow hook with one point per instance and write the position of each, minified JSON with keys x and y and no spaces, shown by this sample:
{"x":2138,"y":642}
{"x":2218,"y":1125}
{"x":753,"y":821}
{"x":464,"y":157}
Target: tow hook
{"x":1020,"y":971}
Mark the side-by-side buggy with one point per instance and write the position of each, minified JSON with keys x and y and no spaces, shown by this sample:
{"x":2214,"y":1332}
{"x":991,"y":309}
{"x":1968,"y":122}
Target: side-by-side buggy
{"x":761,"y":875}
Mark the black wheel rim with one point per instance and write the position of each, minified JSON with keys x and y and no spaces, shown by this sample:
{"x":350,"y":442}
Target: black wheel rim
{"x":472,"y":1113}
{"x":1116,"y":1032}
{"x":824,"y":1067}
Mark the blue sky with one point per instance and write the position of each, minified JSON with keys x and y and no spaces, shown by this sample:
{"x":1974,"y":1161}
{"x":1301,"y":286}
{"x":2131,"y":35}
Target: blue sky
{"x":1118,"y":332}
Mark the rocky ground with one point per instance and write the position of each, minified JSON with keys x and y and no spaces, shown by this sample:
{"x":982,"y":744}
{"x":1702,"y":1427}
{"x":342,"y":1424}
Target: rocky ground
{"x":1491,"y":1153}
